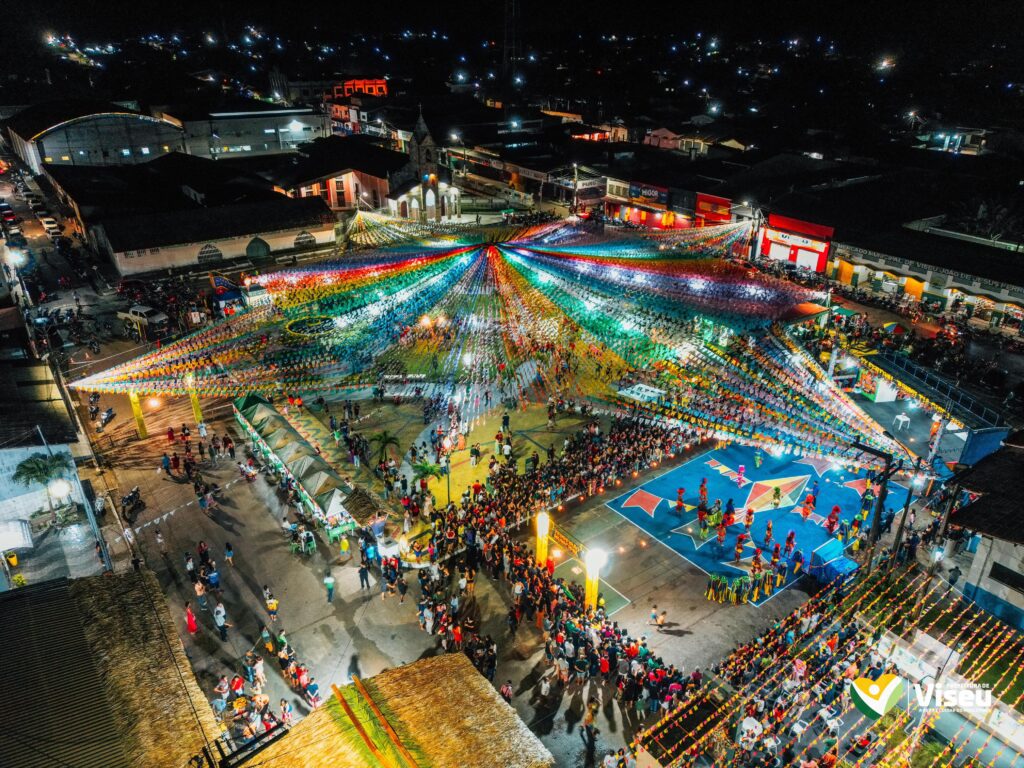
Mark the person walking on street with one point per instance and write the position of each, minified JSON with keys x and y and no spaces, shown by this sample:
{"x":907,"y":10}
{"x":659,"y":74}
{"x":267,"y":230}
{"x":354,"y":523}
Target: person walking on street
{"x":160,"y":543}
{"x":190,"y":619}
{"x":272,"y":605}
{"x":165,"y":464}
{"x":229,"y":554}
{"x":329,"y":585}
{"x":364,"y":576}
{"x":220,"y":618}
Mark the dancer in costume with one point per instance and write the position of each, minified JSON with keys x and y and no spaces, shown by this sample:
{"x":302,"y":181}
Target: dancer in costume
{"x":798,"y":561}
{"x":790,"y":543}
{"x":738,"y":550}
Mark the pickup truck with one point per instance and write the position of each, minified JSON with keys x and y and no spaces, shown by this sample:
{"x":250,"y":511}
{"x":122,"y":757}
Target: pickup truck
{"x":154,"y":320}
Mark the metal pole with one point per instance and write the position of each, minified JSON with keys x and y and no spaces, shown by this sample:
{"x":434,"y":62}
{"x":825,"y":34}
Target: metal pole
{"x":833,"y":356}
{"x":903,"y":517}
{"x":575,"y":188}
{"x":883,"y":492}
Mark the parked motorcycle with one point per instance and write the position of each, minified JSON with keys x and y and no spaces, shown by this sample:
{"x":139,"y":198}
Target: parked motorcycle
{"x":106,"y":418}
{"x":131,"y":505}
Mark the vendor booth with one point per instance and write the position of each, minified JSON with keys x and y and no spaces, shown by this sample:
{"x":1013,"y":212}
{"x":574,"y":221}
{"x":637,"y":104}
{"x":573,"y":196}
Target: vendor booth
{"x":320,"y":490}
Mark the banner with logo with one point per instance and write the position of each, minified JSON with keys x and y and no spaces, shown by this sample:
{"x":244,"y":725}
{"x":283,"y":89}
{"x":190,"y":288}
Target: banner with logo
{"x":648,"y":194}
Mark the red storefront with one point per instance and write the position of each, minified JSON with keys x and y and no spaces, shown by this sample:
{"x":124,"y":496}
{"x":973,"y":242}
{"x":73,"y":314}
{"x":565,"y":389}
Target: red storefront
{"x":796,"y":241}
{"x":712,"y":210}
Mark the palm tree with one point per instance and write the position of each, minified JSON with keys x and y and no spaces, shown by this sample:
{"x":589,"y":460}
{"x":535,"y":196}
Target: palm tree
{"x":382,"y":442}
{"x":41,"y":469}
{"x":422,"y":469}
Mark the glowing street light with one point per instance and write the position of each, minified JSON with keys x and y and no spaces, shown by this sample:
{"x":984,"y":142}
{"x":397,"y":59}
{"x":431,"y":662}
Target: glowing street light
{"x":59,"y":488}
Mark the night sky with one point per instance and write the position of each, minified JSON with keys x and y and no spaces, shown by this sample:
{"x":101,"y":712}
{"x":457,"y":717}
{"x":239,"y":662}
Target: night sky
{"x":940,"y":24}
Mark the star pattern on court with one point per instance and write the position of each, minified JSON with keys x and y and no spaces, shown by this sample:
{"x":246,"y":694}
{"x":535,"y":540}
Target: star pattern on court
{"x":645,"y":500}
{"x":761,"y":492}
{"x":820,"y":465}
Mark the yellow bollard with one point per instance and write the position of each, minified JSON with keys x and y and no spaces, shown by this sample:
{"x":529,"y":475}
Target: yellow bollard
{"x":594,"y":560}
{"x":543,"y":529}
{"x":140,"y":422}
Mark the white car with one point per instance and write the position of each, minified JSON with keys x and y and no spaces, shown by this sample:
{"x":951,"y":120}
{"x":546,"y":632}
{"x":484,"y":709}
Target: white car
{"x":49,"y":223}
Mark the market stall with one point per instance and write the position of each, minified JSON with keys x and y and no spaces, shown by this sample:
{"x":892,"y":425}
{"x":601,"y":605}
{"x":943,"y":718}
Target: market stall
{"x":319,"y":489}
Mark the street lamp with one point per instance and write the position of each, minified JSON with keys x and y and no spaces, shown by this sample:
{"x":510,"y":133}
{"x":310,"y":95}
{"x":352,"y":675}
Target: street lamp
{"x":59,"y":488}
{"x":465,"y":155}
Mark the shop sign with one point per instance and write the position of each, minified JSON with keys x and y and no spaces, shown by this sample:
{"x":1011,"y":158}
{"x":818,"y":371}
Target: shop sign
{"x":713,"y":208}
{"x":647,"y":194}
{"x":786,"y":238}
{"x":526,"y":173}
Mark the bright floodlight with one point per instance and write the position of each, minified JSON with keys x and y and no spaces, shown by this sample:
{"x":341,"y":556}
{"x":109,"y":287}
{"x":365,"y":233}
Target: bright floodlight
{"x":543,"y":523}
{"x":60,"y":488}
{"x":595,"y":560}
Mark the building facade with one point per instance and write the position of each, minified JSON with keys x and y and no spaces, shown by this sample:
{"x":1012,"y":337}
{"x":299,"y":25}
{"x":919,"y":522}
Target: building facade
{"x":89,"y":133}
{"x":243,"y":132}
{"x":210,"y":236}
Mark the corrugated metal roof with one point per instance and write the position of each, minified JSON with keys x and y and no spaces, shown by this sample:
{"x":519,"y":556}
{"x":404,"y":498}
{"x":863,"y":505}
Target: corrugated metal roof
{"x":54,"y":711}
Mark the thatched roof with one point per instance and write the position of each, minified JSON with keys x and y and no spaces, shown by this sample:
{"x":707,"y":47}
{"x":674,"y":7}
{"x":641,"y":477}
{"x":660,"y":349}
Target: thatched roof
{"x":445,"y":713}
{"x":145,"y":673}
{"x":456,"y":716}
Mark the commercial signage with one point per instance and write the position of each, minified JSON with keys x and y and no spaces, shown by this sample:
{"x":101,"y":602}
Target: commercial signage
{"x":712,"y":208}
{"x":526,"y":173}
{"x":785,"y":238}
{"x":569,"y":183}
{"x":648,"y":194}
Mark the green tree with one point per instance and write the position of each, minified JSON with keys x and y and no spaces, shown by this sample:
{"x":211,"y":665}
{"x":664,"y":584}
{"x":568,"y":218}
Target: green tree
{"x":428,"y":469}
{"x":42,"y":469}
{"x":382,"y":441}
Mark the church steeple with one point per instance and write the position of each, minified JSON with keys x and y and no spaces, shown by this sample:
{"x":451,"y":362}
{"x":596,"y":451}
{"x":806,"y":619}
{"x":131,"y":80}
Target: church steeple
{"x":421,"y":132}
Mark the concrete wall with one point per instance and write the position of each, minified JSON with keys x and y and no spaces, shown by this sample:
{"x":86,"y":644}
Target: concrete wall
{"x":153,"y":259}
{"x":108,"y":140}
{"x":19,"y":502}
{"x":994,"y":596}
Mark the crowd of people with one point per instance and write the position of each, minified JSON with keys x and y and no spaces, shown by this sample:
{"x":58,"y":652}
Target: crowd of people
{"x":239,"y":700}
{"x":477,"y":534}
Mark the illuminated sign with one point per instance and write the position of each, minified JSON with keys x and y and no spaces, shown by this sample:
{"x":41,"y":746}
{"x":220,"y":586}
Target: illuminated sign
{"x":785,"y":238}
{"x":565,"y":542}
{"x":648,"y":194}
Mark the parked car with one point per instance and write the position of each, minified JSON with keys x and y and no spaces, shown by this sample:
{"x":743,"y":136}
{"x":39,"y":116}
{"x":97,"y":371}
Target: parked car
{"x":140,"y":314}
